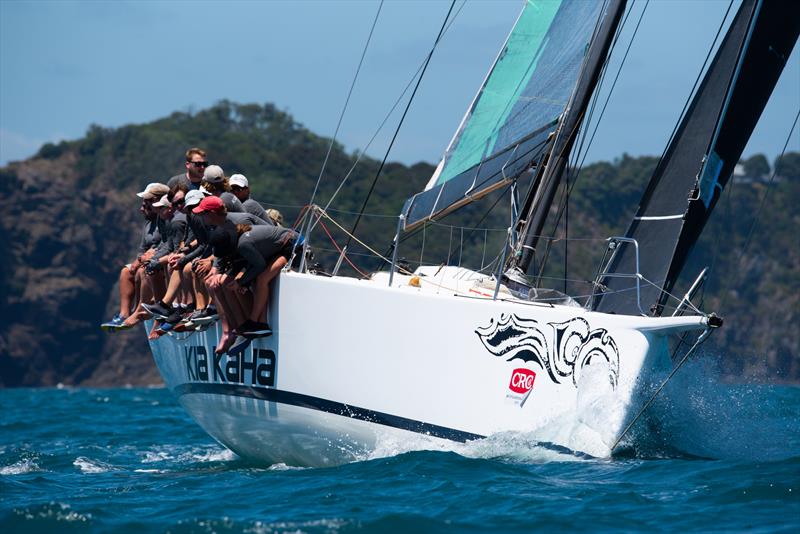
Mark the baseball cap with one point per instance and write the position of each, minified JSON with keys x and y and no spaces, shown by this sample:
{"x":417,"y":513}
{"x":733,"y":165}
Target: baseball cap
{"x":163,"y":202}
{"x":239,"y":179}
{"x":209,"y":204}
{"x":153,"y":190}
{"x":214,"y":174}
{"x":193,"y":198}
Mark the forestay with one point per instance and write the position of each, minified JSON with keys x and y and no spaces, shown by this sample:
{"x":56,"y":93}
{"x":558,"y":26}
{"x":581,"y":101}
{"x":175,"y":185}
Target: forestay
{"x":508,"y":124}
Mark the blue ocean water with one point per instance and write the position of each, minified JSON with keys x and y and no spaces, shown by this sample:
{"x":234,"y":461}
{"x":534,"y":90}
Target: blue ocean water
{"x":714,"y":457}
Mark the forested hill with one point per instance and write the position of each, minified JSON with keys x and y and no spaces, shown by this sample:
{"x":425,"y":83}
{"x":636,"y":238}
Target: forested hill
{"x":71,"y":221}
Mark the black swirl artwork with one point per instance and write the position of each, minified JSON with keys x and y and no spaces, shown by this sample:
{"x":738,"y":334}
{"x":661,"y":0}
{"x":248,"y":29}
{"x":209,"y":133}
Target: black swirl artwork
{"x":570,"y":346}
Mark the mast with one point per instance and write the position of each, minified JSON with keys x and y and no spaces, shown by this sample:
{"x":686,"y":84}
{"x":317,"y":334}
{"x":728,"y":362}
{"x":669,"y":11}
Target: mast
{"x":700,"y":159}
{"x":538,"y":203}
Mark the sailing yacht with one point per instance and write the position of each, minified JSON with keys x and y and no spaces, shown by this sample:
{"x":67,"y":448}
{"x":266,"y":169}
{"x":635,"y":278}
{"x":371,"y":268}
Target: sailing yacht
{"x":449,"y":354}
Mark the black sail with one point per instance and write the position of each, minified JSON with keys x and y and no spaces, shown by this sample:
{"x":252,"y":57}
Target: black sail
{"x":700,"y":159}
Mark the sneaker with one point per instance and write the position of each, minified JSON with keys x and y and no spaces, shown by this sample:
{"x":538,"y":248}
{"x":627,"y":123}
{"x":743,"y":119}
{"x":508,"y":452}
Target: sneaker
{"x":253,"y":329}
{"x":239,"y":345}
{"x":158,"y":310}
{"x":174,"y":317}
{"x":205,"y":316}
{"x":163,"y":328}
{"x":113,"y":325}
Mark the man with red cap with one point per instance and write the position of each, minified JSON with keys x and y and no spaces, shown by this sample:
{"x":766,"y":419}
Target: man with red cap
{"x":234,"y":306}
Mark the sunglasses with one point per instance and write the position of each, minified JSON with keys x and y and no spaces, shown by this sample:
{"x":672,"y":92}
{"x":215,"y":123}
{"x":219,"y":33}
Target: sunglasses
{"x":237,"y":188}
{"x":178,"y":203}
{"x":199,"y":163}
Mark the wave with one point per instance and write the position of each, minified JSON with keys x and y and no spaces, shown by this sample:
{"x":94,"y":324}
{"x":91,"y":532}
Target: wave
{"x":89,"y":466}
{"x":21,"y":467}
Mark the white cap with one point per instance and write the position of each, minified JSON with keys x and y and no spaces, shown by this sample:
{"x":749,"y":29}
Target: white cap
{"x":152,"y":190}
{"x":203,"y":190}
{"x":239,"y":179}
{"x":162,"y":203}
{"x":193,"y":198}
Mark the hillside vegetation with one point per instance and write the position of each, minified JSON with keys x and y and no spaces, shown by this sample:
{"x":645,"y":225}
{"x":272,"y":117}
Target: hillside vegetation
{"x":71,"y":222}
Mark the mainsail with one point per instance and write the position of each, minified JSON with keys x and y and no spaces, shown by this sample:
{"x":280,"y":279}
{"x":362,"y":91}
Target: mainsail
{"x":700,"y":159}
{"x":509,"y":124}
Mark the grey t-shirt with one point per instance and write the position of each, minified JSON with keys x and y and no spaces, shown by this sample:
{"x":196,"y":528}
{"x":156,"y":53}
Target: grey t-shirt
{"x":182,"y":178}
{"x":171,"y":240}
{"x":232,"y":204}
{"x":252,"y":206}
{"x":261,"y":245}
{"x":200,"y":233}
{"x":248,"y":218}
{"x":151,"y":236}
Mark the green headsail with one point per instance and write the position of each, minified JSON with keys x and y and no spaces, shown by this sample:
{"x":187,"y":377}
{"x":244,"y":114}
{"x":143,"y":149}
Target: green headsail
{"x":517,"y":107}
{"x":504,"y":86}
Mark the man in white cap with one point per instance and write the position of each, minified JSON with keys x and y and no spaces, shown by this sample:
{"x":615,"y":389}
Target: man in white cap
{"x":131,"y":275}
{"x":153,"y":191}
{"x":240,"y":187}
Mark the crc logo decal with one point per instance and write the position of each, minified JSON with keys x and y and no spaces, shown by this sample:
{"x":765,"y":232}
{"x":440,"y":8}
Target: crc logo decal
{"x":521,"y":380}
{"x":561,"y":349}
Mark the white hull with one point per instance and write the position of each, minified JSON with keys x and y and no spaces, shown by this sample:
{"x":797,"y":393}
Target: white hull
{"x":354,"y":361}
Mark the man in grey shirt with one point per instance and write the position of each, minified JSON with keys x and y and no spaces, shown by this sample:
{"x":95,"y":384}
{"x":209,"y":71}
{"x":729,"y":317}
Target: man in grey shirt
{"x":216,"y":183}
{"x":196,"y":163}
{"x":240,"y":187}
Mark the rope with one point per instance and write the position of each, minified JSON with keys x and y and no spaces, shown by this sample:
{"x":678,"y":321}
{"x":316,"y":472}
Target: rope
{"x":323,"y":213}
{"x":702,"y":337}
{"x":339,"y":250}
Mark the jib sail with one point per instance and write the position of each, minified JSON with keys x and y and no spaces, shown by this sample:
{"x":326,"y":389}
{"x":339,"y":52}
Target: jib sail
{"x":518,"y":107}
{"x":700,"y":159}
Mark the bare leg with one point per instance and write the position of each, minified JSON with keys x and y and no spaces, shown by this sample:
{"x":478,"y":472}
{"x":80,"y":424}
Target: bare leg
{"x":159,"y":285}
{"x":214,"y":284}
{"x":127,"y":290}
{"x":145,"y":295}
{"x":200,"y":290}
{"x":172,"y":288}
{"x":261,"y":290}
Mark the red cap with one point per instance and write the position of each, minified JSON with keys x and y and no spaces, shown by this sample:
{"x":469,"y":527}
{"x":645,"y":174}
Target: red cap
{"x":209,"y":204}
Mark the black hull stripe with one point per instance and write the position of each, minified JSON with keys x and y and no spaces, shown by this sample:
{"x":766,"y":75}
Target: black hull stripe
{"x":323,"y":405}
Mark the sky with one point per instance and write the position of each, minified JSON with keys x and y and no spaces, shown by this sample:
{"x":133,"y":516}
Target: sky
{"x":66,"y":65}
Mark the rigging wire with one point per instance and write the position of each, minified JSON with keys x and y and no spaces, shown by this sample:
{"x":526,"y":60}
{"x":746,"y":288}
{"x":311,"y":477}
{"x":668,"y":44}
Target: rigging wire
{"x":750,"y":232}
{"x":346,"y":102}
{"x":700,"y":339}
{"x":363,"y":152}
{"x":400,"y":124}
{"x":600,"y":82}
